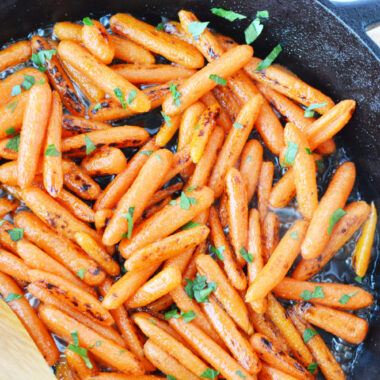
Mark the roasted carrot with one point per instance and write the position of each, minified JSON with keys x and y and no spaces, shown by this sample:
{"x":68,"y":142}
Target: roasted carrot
{"x":73,"y":125}
{"x":14,"y":54}
{"x":264,"y":188}
{"x":7,"y":206}
{"x":63,"y":370}
{"x":227,"y":101}
{"x":168,"y":129}
{"x":189,"y":120}
{"x":120,"y":376}
{"x":181,"y":161}
{"x":78,"y":365}
{"x":271,"y":373}
{"x":13,"y":266}
{"x":223,"y":120}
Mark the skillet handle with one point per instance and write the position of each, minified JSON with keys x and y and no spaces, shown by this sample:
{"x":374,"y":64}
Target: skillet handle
{"x":358,"y":15}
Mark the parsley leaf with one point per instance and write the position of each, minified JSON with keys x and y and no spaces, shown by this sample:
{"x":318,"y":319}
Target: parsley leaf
{"x":51,"y":151}
{"x":12,"y":106}
{"x":228,"y":15}
{"x":120,"y":96}
{"x":269,"y":59}
{"x":90,"y":146}
{"x":198,"y":289}
{"x":334,"y":218}
{"x":2,"y":222}
{"x":359,"y":279}
{"x":28,"y":82}
{"x":262,"y":14}
{"x":253,"y":31}
{"x":10,"y":131}
{"x":16,"y":233}
{"x":167,"y":119}
{"x":172,"y":314}
{"x":16,"y":90}
{"x":294,"y":235}
{"x":122,"y":352}
{"x":217,"y":79}
{"x":160,"y":26}
{"x":13,"y":143}
{"x":248,"y":257}
{"x":308,"y":151}
{"x":146,"y":152}
{"x":152,"y":321}
{"x":346,"y":297}
{"x":81,"y":351}
{"x":40,"y":58}
{"x":308,"y":334}
{"x":248,"y":159}
{"x":81,"y":273}
{"x":309,"y":110}
{"x":129,"y":217}
{"x":312,"y":368}
{"x":97,"y":107}
{"x":188,"y":225}
{"x":12,"y":297}
{"x":131,"y":96}
{"x":187,"y":201}
{"x":196,"y":28}
{"x":188,"y":316}
{"x":170,"y":377}
{"x":209,"y":373}
{"x":159,"y":157}
{"x":238,"y":126}
{"x":307,"y":295}
{"x":218,"y":251}
{"x":320,"y":164}
{"x":87,"y":21}
{"x":176,"y":95}
{"x":290,"y":153}
{"x":240,"y":374}
{"x":191,"y":188}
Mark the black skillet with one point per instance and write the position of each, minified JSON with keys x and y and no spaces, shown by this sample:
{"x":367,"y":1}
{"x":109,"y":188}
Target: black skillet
{"x":318,"y":45}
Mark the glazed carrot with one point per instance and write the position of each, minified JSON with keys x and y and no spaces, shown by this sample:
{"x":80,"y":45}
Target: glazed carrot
{"x":12,"y":190}
{"x":224,"y":292}
{"x":52,"y":161}
{"x":68,"y":31}
{"x":234,"y":340}
{"x":280,"y":319}
{"x":9,"y":153}
{"x":71,"y":294}
{"x":180,"y":261}
{"x":347,"y":326}
{"x":14,"y":54}
{"x":175,"y":28}
{"x":279,"y":263}
{"x":156,"y":73}
{"x":78,"y":181}
{"x":58,"y":77}
{"x":120,"y":376}
{"x":97,"y":40}
{"x":129,"y":51}
{"x":289,"y":85}
{"x":168,"y":343}
{"x":51,"y":212}
{"x":304,"y":171}
{"x":161,"y":284}
{"x":102,"y":76}
{"x":189,"y":120}
{"x":363,"y":249}
{"x":161,"y":304}
{"x":13,"y":266}
{"x":5,"y":238}
{"x":223,"y":215}
{"x":137,"y":196}
{"x":8,"y":173}
{"x":7,"y":206}
{"x":102,"y":217}
{"x":166,"y":221}
{"x":264,"y":188}
{"x":34,"y":125}
{"x":163,"y":194}
{"x":29,"y":319}
{"x":105,"y":162}
{"x":150,"y":211}
{"x":156,"y":41}
{"x":167,"y":130}
{"x":270,"y":373}
{"x":120,"y":184}
{"x":78,"y":365}
{"x":230,"y":266}
{"x":181,"y":161}
{"x":200,"y":83}
{"x":125,"y":136}
{"x":250,"y":165}
{"x":234,"y":143}
{"x":325,"y":359}
{"x":237,"y":210}
{"x":227,"y":101}
{"x":335,"y":197}
{"x":292,"y":289}
{"x":166,"y":363}
{"x":59,"y":247}
{"x":112,"y":353}
{"x":63,"y":371}
{"x":223,"y":120}
{"x":263,"y":325}
{"x":209,"y":350}
{"x":269,"y":353}
{"x":81,"y":125}
{"x":254,"y":246}
{"x":166,"y":248}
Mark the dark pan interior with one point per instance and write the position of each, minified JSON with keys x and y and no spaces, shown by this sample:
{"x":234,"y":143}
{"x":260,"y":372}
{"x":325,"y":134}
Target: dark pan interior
{"x":317,"y":46}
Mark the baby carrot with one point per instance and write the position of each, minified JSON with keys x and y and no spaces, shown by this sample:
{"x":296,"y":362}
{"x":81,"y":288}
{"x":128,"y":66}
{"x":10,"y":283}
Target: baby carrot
{"x":78,"y":365}
{"x":189,"y":120}
{"x":227,"y":101}
{"x":168,"y":129}
{"x":223,"y":119}
{"x":271,"y":373}
{"x":14,"y":54}
{"x":7,"y":206}
{"x":13,"y":266}
{"x":128,"y":51}
{"x":264,"y":188}
{"x":181,"y":161}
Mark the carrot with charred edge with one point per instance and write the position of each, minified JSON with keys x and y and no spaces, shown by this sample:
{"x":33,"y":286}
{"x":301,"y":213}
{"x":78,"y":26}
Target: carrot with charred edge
{"x":279,"y":263}
{"x":224,"y":292}
{"x":232,"y":337}
{"x":32,"y":134}
{"x":263,"y":325}
{"x":97,"y":40}
{"x":59,"y":247}
{"x":97,"y":252}
{"x":9,"y":153}
{"x":270,"y":373}
{"x":264,"y":188}
{"x":13,"y":266}
{"x":150,"y":211}
{"x":5,"y":237}
{"x":161,"y":284}
{"x":289,"y":85}
{"x":222,"y":119}
{"x":120,"y":184}
{"x":7,"y":206}
{"x":227,"y":101}
{"x":170,"y":344}
{"x":168,"y":129}
{"x":52,"y":161}
{"x":102,"y":217}
{"x":175,"y":28}
{"x":112,"y":353}
{"x":35,"y":258}
{"x":304,"y":171}
{"x":71,"y":294}
{"x":166,"y":221}
{"x":163,"y":194}
{"x":73,"y":125}
{"x":292,"y":289}
{"x":233,"y":271}
{"x":127,"y":328}
{"x":200,"y":83}
{"x":362,"y":253}
{"x":29,"y":319}
{"x":49,"y":299}
{"x":121,"y":137}
{"x":250,"y":166}
{"x":223,"y":215}
{"x":166,"y":248}
{"x":137,"y":196}
{"x":78,"y":365}
{"x":189,"y":120}
{"x":156,"y":41}
{"x":325,"y":359}
{"x":234,"y":143}
{"x":335,"y":197}
{"x":269,"y":353}
{"x":14,"y":54}
{"x":58,"y":78}
{"x":156,"y":73}
{"x":254,"y":246}
{"x":209,"y":350}
{"x":280,"y":319}
{"x":103,"y":76}
{"x":347,"y":326}
{"x":237,"y":211}
{"x":166,"y":363}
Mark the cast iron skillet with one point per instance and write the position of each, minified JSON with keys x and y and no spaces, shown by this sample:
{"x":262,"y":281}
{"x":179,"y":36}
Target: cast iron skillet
{"x":340,"y":60}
